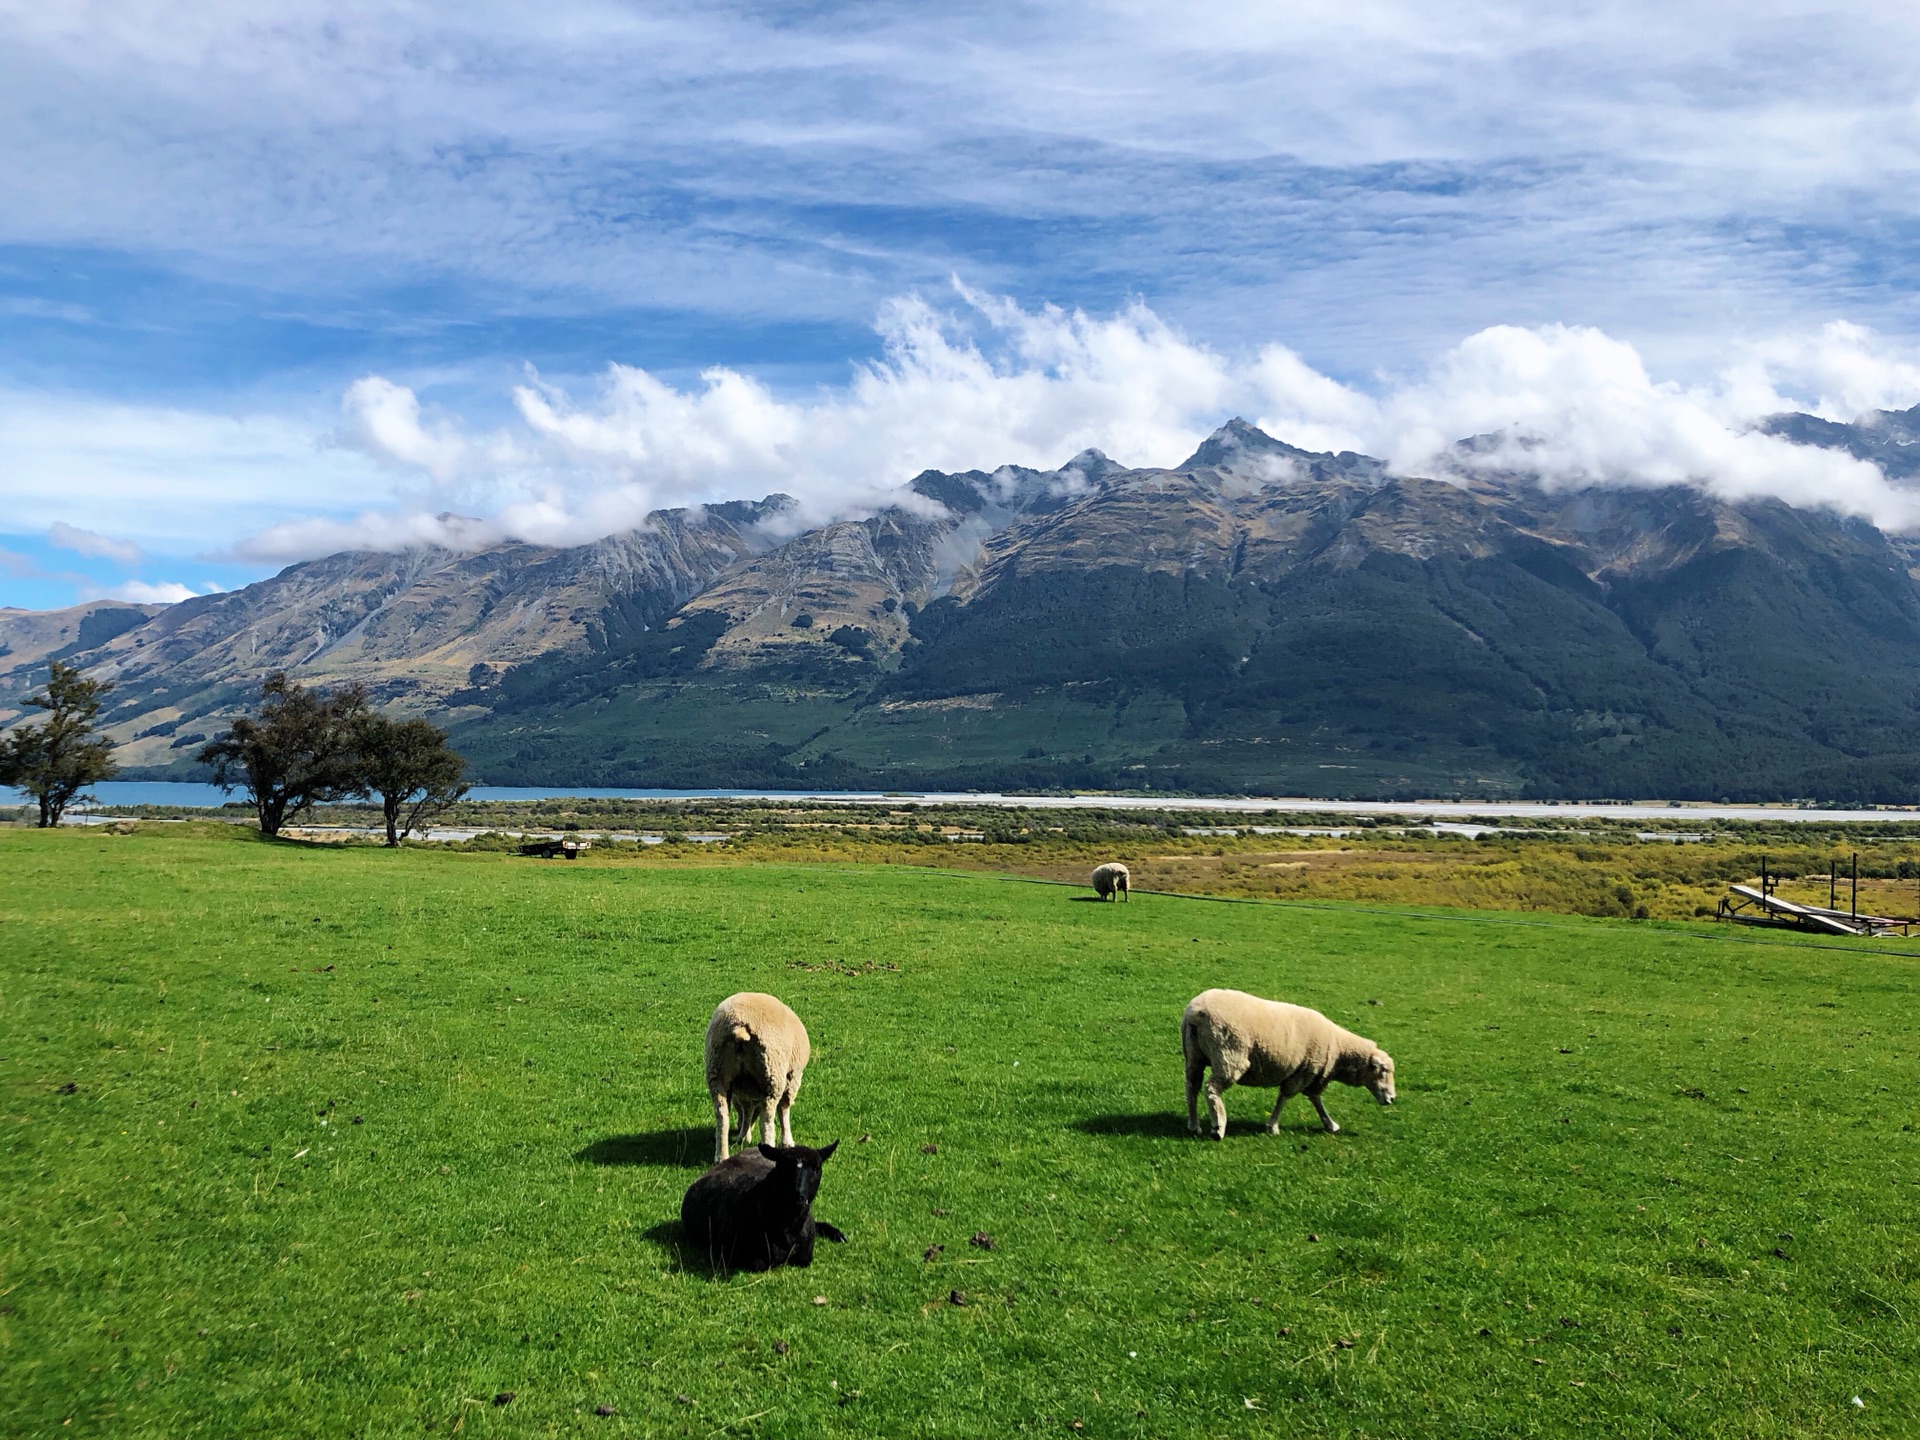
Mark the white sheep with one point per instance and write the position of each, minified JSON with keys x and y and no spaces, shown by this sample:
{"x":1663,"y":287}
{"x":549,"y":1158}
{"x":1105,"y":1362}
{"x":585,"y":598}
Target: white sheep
{"x":1112,"y":879}
{"x":1250,"y":1041}
{"x":757,"y":1050}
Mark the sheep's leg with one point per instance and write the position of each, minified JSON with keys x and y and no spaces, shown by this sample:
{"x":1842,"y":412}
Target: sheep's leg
{"x":786,"y":1118}
{"x":1216,"y":1107}
{"x":1333,"y":1126}
{"x":769,"y":1125}
{"x":1196,"y":1070}
{"x":1273,"y":1120}
{"x":747,"y":1116}
{"x":719,"y":1125}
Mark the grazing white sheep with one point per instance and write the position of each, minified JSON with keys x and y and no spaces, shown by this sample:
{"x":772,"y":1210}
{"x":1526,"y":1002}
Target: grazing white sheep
{"x":1112,"y":879}
{"x":756,"y":1053}
{"x":1250,"y":1041}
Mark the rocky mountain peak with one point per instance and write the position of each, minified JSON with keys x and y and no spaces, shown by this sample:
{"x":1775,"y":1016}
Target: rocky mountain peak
{"x":1094,"y":465}
{"x":1887,"y":438}
{"x":962,"y":494}
{"x":752,"y":512}
{"x":1243,"y":449}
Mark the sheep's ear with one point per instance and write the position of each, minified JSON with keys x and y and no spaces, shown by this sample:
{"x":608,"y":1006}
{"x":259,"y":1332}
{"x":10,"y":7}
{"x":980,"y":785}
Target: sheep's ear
{"x":827,"y":1154}
{"x":769,"y":1152}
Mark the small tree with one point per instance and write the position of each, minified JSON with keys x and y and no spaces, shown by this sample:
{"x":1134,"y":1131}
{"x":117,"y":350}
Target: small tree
{"x":408,"y":765}
{"x":56,"y":760}
{"x":299,"y":751}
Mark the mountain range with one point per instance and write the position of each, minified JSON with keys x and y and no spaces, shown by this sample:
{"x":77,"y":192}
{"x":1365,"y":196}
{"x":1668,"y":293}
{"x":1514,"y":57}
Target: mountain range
{"x":1256,"y":618}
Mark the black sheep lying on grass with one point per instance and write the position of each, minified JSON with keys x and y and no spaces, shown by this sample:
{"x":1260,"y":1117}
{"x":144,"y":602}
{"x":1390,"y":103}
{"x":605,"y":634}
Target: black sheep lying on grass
{"x":754,"y":1210}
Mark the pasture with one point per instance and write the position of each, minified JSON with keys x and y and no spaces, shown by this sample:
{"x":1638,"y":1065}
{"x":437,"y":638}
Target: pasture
{"x":327,"y":1141}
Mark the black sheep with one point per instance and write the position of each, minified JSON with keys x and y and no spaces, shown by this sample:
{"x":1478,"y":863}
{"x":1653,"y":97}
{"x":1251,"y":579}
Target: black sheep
{"x":754,"y":1210}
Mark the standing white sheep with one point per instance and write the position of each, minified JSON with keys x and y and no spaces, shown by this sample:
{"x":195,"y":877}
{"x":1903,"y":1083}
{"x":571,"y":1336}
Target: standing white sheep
{"x":1112,"y":879}
{"x":757,"y":1051}
{"x":1250,"y":1041}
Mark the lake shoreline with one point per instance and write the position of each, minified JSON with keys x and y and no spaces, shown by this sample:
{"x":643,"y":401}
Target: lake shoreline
{"x":122,"y":795}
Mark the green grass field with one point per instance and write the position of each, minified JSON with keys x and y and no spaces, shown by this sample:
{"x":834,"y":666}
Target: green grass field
{"x":348,"y":1142}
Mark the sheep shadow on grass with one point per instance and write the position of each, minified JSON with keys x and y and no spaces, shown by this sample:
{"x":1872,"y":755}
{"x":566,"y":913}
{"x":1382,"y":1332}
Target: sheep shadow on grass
{"x":670,"y":1236}
{"x":1166,"y":1125}
{"x":688,"y":1145}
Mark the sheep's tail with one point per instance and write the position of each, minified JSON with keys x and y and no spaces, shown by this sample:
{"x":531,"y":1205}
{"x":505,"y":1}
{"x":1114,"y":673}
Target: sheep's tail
{"x":741,"y":1032}
{"x":1189,"y":1038}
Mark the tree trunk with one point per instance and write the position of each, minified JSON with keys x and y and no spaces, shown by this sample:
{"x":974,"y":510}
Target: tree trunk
{"x":391,"y":804}
{"x":49,"y":816}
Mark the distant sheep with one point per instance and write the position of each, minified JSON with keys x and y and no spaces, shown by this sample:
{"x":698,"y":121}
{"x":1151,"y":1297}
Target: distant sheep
{"x":756,"y":1052}
{"x":755,"y":1210}
{"x":1112,"y":879}
{"x":1250,"y":1041}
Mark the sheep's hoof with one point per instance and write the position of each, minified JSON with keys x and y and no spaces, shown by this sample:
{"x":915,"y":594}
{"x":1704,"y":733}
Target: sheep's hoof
{"x":1273,"y":1129}
{"x":1333,"y":1127}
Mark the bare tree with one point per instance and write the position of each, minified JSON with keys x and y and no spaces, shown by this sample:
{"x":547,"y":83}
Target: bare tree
{"x":299,"y":751}
{"x":56,"y":760}
{"x":408,"y":765}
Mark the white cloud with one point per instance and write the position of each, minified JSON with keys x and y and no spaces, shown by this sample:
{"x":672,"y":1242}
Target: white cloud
{"x":981,"y":386}
{"x":1840,"y":372}
{"x":1578,"y":407}
{"x":1308,"y":409}
{"x":384,"y":420}
{"x":1421,"y":161}
{"x":370,"y":530}
{"x":173,"y":480}
{"x":140,"y":592}
{"x":974,"y":385}
{"x":63,"y":536}
{"x":990,"y":383}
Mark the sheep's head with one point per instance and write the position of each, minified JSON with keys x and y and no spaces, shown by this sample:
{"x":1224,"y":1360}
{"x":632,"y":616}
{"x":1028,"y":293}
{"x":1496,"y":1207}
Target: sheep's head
{"x":1380,"y":1077}
{"x":796,"y":1169}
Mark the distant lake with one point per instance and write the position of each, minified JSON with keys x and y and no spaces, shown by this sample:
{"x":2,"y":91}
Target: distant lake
{"x":187,"y":794}
{"x":209,"y":797}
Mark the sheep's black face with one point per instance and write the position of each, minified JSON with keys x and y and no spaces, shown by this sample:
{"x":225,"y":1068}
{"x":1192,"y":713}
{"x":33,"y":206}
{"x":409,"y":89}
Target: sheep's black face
{"x":796,"y":1169}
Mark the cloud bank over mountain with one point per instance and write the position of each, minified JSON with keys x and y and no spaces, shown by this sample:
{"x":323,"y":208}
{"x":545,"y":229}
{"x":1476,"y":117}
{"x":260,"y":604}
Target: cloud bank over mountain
{"x":966,"y":382}
{"x":986,"y":382}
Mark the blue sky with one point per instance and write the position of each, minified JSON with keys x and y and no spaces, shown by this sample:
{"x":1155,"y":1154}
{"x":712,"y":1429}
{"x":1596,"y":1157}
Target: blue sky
{"x":271,"y":282}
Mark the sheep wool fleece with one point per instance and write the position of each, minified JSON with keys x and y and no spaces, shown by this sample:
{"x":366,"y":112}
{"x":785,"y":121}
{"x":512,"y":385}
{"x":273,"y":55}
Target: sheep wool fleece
{"x":1246,"y":1040}
{"x":757,"y":1052}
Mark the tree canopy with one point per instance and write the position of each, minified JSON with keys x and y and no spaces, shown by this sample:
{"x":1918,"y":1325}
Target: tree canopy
{"x":308,"y":746}
{"x":300,"y":750}
{"x":408,"y":765}
{"x":55,"y":760}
